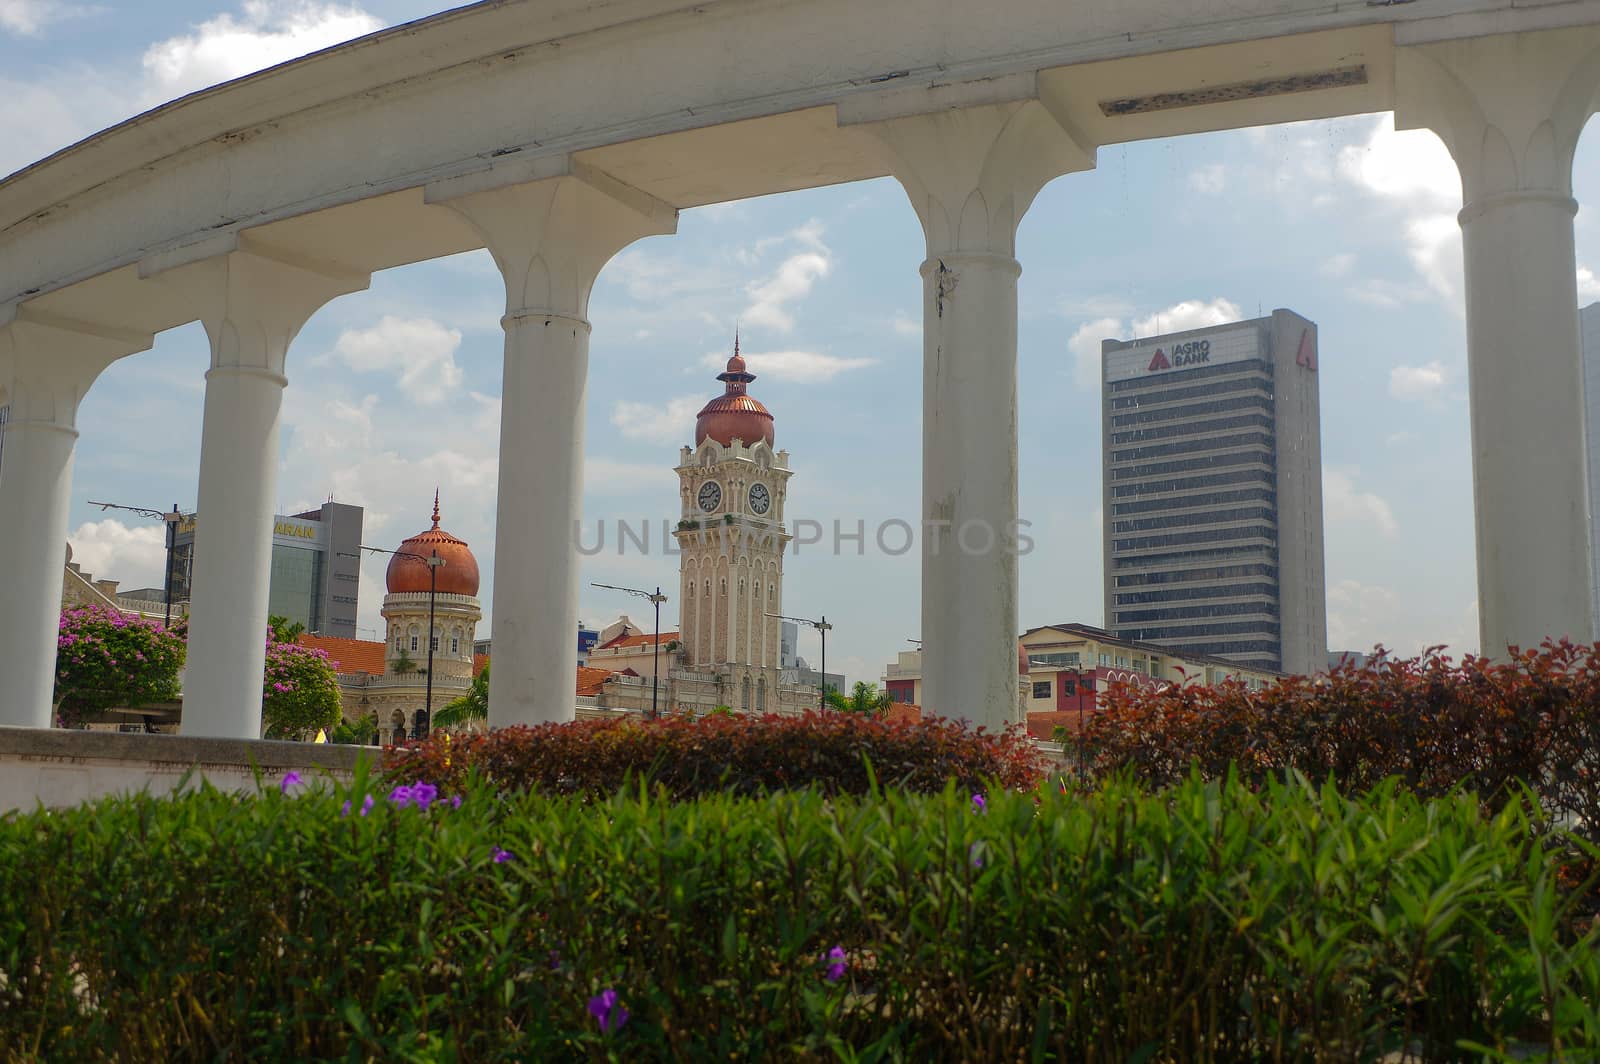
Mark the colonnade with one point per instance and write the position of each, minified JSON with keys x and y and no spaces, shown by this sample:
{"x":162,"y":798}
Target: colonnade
{"x":1509,"y":107}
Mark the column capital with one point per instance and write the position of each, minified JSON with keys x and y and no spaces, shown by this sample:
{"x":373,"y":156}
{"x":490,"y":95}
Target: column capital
{"x":1510,"y":108}
{"x":552,"y":235}
{"x":972,"y":173}
{"x":48,"y":362}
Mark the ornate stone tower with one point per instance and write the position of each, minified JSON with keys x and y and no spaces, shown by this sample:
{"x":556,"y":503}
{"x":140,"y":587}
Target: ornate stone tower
{"x":732,"y":485}
{"x":456,"y":610}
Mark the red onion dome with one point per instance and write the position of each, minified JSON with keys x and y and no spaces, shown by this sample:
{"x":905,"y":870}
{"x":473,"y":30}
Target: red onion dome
{"x":457,"y":576}
{"x":734,"y":414}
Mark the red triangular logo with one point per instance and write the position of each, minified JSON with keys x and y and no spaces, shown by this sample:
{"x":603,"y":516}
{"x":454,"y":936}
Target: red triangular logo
{"x":1159,"y":362}
{"x":1307,"y":355}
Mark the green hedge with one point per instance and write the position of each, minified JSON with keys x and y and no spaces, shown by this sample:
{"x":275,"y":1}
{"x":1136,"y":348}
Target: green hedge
{"x":1206,"y":923}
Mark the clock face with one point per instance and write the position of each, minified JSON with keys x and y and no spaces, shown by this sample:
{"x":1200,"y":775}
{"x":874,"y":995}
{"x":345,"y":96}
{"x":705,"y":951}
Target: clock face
{"x":710,"y":495}
{"x":760,"y":499}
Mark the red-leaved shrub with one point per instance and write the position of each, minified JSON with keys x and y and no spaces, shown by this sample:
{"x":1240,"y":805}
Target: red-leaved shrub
{"x":1494,"y":727}
{"x":689,"y":756}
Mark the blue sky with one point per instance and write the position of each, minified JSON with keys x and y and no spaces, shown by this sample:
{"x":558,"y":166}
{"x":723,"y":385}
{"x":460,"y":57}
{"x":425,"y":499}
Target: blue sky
{"x":395,"y":390}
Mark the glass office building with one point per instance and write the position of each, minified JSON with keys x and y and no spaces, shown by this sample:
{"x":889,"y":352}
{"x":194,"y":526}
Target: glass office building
{"x":315,"y":569}
{"x":1212,"y":474}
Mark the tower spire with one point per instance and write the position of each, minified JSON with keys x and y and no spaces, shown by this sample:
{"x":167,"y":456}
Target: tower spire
{"x":436,"y":508}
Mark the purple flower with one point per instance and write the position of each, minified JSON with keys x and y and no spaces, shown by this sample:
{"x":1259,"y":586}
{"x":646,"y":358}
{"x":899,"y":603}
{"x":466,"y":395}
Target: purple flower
{"x":500,"y":856}
{"x":366,"y":805}
{"x":401,"y":796}
{"x":346,"y":810}
{"x":555,"y":960}
{"x":290,"y":779}
{"x":604,"y":1008}
{"x":455,"y":801}
{"x":838,"y":963}
{"x":978,"y":803}
{"x":975,"y":852}
{"x":424,"y":794}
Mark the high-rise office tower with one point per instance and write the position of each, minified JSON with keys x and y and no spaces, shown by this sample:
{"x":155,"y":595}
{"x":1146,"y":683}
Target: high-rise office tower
{"x":1213,"y":492}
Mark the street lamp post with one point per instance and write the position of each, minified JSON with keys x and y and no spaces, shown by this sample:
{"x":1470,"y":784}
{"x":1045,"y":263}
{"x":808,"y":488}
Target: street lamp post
{"x":433,"y":562}
{"x":1077,"y":677}
{"x":655,"y":600}
{"x":171,"y":518}
{"x":820,"y":624}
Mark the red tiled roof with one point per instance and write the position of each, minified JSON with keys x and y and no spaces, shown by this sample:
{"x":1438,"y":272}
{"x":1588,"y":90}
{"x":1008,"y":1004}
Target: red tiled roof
{"x":1044,"y":725}
{"x":348,"y":655}
{"x":642,"y":640}
{"x":589,"y":680}
{"x":479,"y":662}
{"x":899,"y":711}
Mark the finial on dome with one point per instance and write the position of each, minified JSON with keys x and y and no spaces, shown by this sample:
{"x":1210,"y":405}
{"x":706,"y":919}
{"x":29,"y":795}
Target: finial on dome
{"x":436,"y":508}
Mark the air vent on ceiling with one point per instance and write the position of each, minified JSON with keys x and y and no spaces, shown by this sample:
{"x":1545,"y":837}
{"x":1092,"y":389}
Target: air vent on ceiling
{"x":1244,"y":90}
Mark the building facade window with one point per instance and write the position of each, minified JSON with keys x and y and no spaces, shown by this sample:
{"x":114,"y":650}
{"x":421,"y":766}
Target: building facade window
{"x":414,"y":643}
{"x":1041,"y":689}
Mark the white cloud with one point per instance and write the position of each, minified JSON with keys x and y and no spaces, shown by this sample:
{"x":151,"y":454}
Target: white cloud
{"x":1588,"y":285}
{"x":1361,"y":616}
{"x":265,"y":33}
{"x":420,"y":348}
{"x":1338,"y":265}
{"x":800,"y":367}
{"x":905,"y":325}
{"x":110,"y":550}
{"x":606,"y":476}
{"x":665,"y":423}
{"x":1190,"y":314}
{"x":1085,"y":348}
{"x":1343,"y":503}
{"x":1417,"y":382}
{"x":1084,"y":345}
{"x":1413,"y":172}
{"x":791,"y":281}
{"x":27,"y":17}
{"x":1208,"y":180}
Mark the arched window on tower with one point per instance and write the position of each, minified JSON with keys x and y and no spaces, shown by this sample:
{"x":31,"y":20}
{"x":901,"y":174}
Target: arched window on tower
{"x":397,"y":723}
{"x":744,"y":695}
{"x":761,"y":695}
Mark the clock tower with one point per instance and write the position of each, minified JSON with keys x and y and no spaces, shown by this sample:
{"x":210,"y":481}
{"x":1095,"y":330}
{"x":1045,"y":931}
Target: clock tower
{"x":732,"y":485}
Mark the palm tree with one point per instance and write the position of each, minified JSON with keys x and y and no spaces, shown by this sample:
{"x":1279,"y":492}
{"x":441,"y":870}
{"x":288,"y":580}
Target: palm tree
{"x":474,"y":705}
{"x":864,"y":698}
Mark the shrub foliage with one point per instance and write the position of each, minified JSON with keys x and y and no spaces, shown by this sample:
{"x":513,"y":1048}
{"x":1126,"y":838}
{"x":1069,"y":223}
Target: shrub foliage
{"x":688,"y":756}
{"x":1532,"y":721}
{"x":1210,"y":922}
{"x":106,"y":658}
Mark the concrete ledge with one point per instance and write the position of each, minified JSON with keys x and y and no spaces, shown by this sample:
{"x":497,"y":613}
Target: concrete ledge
{"x":59,"y":768}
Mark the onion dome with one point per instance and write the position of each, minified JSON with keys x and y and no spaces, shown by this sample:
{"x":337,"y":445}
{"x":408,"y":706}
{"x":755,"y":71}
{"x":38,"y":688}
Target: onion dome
{"x":457,"y":576}
{"x":733,"y":414}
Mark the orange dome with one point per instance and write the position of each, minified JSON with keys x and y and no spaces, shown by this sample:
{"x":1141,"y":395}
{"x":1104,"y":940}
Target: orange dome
{"x":457,"y":576}
{"x":733,"y":414}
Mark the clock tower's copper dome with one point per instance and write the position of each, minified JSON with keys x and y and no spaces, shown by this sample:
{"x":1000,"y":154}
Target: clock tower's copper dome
{"x":734,"y":414}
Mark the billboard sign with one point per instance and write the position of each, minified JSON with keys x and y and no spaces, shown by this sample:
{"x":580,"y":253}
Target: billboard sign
{"x":1147,"y":358}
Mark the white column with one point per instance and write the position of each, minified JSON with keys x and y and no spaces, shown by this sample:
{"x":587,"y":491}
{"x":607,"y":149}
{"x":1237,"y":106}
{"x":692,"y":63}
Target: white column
{"x":1510,"y":109}
{"x":550,"y":239}
{"x":45,"y":370}
{"x":971,"y":175}
{"x":254,"y":307}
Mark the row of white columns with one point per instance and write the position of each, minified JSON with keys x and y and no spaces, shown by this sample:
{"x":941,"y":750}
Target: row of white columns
{"x":1509,"y":108}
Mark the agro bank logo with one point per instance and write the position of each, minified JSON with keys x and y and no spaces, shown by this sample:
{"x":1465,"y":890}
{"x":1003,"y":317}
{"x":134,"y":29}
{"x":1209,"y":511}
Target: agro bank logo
{"x":1188,"y":354}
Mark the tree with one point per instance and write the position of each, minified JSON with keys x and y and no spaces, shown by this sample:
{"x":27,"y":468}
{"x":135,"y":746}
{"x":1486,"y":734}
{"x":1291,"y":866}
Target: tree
{"x":403,"y":663}
{"x":106,"y":659}
{"x":301,"y":692}
{"x":363,"y":731}
{"x":865,"y":699}
{"x":474,"y":705}
{"x":284,"y":630}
